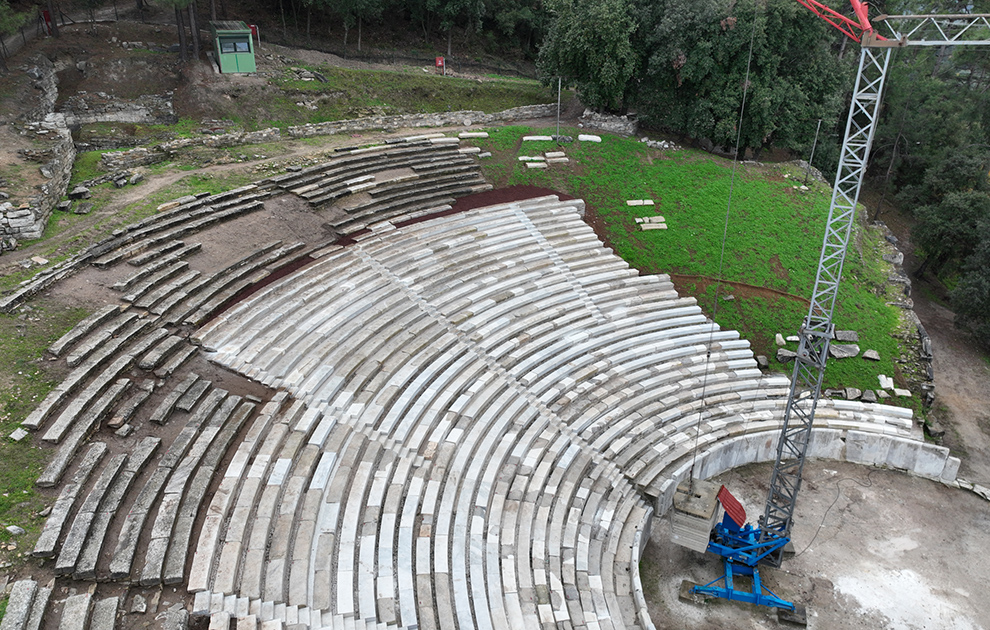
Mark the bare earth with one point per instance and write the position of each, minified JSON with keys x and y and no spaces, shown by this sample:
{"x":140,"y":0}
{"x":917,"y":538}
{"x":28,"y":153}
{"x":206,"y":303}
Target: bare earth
{"x":877,"y":549}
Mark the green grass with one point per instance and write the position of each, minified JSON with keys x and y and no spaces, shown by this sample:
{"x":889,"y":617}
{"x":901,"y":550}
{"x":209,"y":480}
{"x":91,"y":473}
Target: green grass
{"x":350,"y":93}
{"x":772,"y":238}
{"x":26,"y":380}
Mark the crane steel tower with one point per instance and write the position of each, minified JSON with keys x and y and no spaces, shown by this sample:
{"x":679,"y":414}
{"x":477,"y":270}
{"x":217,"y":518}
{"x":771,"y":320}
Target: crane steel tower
{"x":742,"y":546}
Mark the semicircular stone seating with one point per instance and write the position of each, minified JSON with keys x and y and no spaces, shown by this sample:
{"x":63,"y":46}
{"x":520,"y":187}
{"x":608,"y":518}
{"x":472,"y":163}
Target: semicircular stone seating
{"x":457,"y":420}
{"x":490,"y":408}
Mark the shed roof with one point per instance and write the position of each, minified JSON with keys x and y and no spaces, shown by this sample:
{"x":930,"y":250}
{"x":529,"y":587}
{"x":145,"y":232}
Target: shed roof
{"x":230,"y":25}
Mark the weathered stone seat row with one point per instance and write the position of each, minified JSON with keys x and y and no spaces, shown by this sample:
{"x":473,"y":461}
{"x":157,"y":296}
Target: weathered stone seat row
{"x":186,"y":219}
{"x":350,"y":169}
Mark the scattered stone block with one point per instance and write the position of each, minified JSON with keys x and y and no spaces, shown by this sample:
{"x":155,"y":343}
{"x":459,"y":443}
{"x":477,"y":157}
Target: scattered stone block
{"x":38,"y":260}
{"x":784,"y":355}
{"x":136,"y":178}
{"x":537,"y":138}
{"x":584,"y":137}
{"x":83,"y":208}
{"x":871,"y":355}
{"x":852,"y":393}
{"x":120,"y":183}
{"x":843,"y":351}
{"x":18,"y":434}
{"x":14,"y":530}
{"x":793,"y":338}
{"x":654,"y":226}
{"x":762,"y":362}
{"x":536,"y":165}
{"x":882,"y":394}
{"x":64,"y":205}
{"x":554,"y":154}
{"x":473,"y":134}
{"x":139,"y":604}
{"x":124,"y":431}
{"x":885,"y":381}
{"x":558,"y":160}
{"x":80,"y":192}
{"x":903,"y":393}
{"x":779,"y":339}
{"x":849,"y":336}
{"x":485,"y":154}
{"x":531,"y":158}
{"x":869,"y":396}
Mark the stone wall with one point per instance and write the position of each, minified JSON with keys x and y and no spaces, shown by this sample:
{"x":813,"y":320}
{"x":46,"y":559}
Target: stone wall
{"x":99,"y":107}
{"x":621,"y":125}
{"x":414,"y":121}
{"x":141,"y":156}
{"x":28,"y":220}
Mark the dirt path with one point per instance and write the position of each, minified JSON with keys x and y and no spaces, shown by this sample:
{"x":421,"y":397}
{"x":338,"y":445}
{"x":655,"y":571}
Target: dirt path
{"x":962,"y":370}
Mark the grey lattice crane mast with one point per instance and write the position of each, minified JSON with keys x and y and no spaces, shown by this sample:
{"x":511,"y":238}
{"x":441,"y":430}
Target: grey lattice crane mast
{"x":743,"y":546}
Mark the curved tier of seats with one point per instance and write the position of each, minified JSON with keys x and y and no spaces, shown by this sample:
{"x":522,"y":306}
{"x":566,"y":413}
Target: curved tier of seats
{"x":489,"y":406}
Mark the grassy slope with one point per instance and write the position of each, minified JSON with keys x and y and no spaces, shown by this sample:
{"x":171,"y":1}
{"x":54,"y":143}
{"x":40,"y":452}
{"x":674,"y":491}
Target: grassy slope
{"x":773,"y":236}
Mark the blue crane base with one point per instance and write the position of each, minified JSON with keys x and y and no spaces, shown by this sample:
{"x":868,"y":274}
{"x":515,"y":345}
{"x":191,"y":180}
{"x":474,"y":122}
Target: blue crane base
{"x":741,"y":552}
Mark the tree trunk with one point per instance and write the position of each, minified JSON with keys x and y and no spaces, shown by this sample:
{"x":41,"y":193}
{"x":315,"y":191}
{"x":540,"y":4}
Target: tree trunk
{"x":213,"y":10}
{"x":359,"y":33}
{"x":53,"y":14}
{"x":194,"y":29}
{"x":281,"y":9}
{"x":346,"y":30}
{"x":309,"y":12}
{"x":450,"y":34}
{"x":182,"y":34}
{"x":223,"y":9}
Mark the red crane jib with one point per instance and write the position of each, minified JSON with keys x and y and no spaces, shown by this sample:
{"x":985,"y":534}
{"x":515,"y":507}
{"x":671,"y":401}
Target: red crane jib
{"x":853,"y":29}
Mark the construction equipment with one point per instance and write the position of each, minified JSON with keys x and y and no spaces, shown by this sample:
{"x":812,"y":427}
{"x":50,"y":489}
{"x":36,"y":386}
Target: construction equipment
{"x":744,"y":547}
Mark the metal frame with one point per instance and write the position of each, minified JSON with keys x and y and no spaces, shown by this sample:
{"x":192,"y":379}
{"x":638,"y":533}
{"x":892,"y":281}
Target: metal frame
{"x":818,"y":329}
{"x":744,"y":548}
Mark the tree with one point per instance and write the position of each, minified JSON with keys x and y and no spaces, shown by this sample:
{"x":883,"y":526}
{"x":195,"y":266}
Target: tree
{"x":696,"y":54}
{"x":949,"y":231}
{"x":9,"y":23}
{"x":971,"y":297}
{"x":449,"y":11}
{"x":589,"y":45}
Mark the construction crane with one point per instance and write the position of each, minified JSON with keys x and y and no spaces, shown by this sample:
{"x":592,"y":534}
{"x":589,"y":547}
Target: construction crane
{"x":744,"y":547}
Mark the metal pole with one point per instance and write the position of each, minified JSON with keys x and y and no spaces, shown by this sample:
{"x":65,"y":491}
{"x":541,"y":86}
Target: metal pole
{"x":558,"y":110}
{"x":807,"y":171}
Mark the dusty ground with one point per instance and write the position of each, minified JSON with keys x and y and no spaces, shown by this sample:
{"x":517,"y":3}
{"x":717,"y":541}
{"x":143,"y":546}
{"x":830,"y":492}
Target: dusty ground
{"x":876,"y":549}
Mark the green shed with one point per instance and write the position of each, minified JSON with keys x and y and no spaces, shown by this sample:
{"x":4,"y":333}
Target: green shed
{"x":233,"y":46}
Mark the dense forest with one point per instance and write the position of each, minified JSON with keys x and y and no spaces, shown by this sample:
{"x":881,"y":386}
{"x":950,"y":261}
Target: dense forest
{"x":681,"y":67}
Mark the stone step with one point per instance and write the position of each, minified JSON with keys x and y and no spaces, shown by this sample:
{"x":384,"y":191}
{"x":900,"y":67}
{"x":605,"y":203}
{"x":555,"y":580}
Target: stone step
{"x":147,"y":257}
{"x":76,"y":612}
{"x":122,"y":560}
{"x":209,"y":545}
{"x":85,"y":568}
{"x":78,"y":532}
{"x":19,"y":604}
{"x":80,"y":431}
{"x":156,"y":266}
{"x":59,"y":515}
{"x":178,"y":550}
{"x":83,"y":329}
{"x":164,"y":409}
{"x":211,"y":415}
